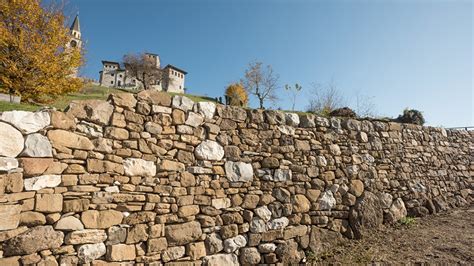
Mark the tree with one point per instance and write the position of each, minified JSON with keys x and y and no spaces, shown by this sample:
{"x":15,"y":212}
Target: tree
{"x":237,"y":95}
{"x":294,"y":91}
{"x":261,"y":82}
{"x":35,"y":60}
{"x":326,"y":99}
{"x":145,"y":70}
{"x":364,"y":105}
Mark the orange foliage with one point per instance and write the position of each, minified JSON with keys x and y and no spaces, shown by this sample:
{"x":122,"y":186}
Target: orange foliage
{"x":237,"y":95}
{"x":35,"y":61}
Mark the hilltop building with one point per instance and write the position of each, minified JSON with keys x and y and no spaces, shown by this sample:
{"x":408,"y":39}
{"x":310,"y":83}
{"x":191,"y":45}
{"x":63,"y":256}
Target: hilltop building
{"x":115,"y":75}
{"x":75,"y":40}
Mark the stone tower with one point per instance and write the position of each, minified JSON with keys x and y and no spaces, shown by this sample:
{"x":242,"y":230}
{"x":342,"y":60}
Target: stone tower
{"x":75,"y":41}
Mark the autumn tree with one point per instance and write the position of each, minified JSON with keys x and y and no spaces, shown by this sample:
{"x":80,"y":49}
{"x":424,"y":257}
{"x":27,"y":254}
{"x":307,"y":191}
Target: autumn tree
{"x":261,"y":82}
{"x":35,"y":60}
{"x":237,"y":95}
{"x":294,"y":92}
{"x":144,"y":69}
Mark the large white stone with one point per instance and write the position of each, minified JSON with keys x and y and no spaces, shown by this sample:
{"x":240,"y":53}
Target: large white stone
{"x":139,"y":167}
{"x":207,"y":109}
{"x":7,"y":163}
{"x":27,"y":122}
{"x":397,"y":211}
{"x":89,"y":252}
{"x":258,"y":225}
{"x":234,"y":243}
{"x":278,"y":223}
{"x":37,"y":145}
{"x":238,"y":171}
{"x":264,"y":213}
{"x":40,"y":182}
{"x":282,"y":175}
{"x":69,"y":223}
{"x":182,"y":102}
{"x":221,"y":203}
{"x":209,"y":150}
{"x":194,"y":119}
{"x":221,"y":259}
{"x":327,"y":201}
{"x":287,"y":130}
{"x":11,"y":141}
{"x":292,"y":119}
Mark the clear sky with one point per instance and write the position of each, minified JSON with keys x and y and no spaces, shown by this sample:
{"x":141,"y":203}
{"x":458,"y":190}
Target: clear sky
{"x":416,"y":54}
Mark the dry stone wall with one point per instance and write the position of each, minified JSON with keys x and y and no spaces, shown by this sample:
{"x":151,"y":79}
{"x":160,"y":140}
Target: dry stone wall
{"x":149,"y":179}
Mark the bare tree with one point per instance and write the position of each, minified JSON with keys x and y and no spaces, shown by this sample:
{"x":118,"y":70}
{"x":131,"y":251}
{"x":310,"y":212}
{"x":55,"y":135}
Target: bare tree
{"x":143,"y":69}
{"x":261,"y":82}
{"x":325,"y":98}
{"x":293,"y":91}
{"x":364,"y":105}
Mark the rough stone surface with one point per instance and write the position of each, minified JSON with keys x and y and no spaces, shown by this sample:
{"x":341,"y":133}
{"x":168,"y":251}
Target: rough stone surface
{"x":101,"y":219}
{"x":249,"y":256}
{"x":34,"y":240}
{"x":396,"y":211}
{"x":327,"y":200}
{"x":7,"y":164}
{"x":221,"y":259}
{"x":89,"y":252}
{"x":238,"y":171}
{"x":139,"y":167}
{"x":180,"y":234}
{"x":209,"y":150}
{"x":27,"y":122}
{"x":206,"y":109}
{"x":96,"y":111}
{"x":11,"y":141}
{"x":37,"y":145}
{"x":9,"y":216}
{"x":40,"y":182}
{"x":87,"y":236}
{"x":69,"y":223}
{"x":121,"y":252}
{"x":182,"y":103}
{"x":366,"y":214}
{"x":68,"y":139}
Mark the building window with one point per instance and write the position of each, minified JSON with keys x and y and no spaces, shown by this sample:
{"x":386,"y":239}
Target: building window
{"x":120,"y":75}
{"x":112,"y":74}
{"x":112,"y":82}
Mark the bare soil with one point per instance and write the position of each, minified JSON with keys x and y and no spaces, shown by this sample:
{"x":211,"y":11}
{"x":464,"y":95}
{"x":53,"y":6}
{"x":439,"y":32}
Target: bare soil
{"x":445,"y":238}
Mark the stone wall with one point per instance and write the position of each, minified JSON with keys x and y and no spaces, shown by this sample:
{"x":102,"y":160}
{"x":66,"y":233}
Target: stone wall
{"x":152,"y":179}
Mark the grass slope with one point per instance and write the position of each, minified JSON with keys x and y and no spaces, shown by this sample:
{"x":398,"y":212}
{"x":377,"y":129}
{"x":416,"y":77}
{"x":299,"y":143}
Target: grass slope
{"x":89,"y":92}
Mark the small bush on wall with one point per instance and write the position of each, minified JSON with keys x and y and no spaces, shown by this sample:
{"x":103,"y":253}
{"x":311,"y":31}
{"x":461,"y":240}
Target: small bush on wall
{"x":411,"y":116}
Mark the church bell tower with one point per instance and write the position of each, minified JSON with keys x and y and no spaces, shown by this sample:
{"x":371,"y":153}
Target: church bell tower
{"x":75,"y":42}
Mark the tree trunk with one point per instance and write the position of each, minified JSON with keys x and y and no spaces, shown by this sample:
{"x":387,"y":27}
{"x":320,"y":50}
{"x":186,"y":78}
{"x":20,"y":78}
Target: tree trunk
{"x":261,"y":102}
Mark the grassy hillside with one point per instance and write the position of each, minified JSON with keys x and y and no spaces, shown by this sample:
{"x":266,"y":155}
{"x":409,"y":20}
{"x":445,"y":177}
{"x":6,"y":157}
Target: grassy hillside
{"x":87,"y":93}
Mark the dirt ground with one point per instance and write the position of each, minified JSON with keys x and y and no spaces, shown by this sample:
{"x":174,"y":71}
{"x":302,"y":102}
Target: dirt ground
{"x":445,"y":238}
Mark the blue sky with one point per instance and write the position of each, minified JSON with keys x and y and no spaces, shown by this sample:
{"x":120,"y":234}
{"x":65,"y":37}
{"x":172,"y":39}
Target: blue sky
{"x":416,"y":54}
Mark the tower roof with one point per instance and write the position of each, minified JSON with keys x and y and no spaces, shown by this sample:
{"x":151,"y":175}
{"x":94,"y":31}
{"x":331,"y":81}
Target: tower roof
{"x":75,"y":25}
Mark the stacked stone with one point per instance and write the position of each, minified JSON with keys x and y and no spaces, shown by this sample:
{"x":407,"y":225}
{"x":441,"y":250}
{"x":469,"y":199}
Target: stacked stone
{"x":151,"y":179}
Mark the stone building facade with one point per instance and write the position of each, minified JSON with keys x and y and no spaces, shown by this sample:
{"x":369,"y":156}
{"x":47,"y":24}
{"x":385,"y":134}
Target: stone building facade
{"x":114,"y":75}
{"x":150,"y":179}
